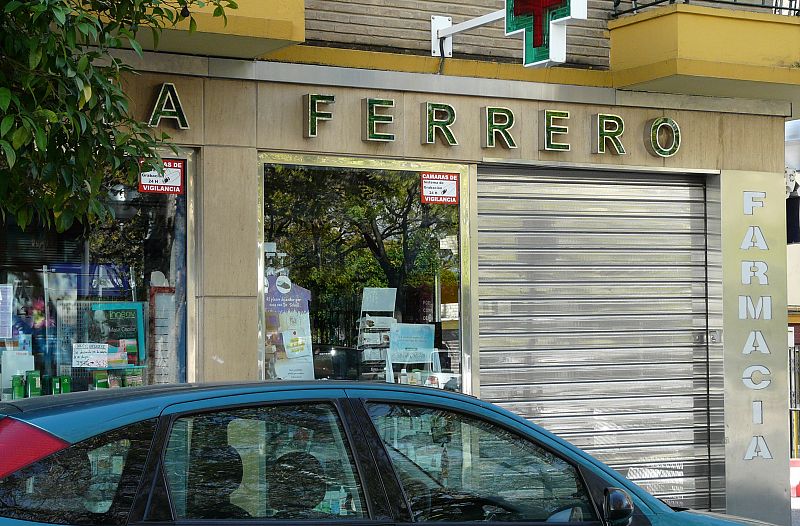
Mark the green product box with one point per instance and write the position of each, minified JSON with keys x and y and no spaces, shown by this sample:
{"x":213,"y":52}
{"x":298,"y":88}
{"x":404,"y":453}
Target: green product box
{"x":114,"y":380}
{"x":33,"y":383}
{"x":100,"y":379}
{"x":55,"y":385}
{"x":133,"y":378}
{"x":17,"y":387}
{"x":66,"y":384}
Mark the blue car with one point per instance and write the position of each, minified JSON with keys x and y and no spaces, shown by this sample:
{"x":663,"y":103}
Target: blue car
{"x":313,"y":453}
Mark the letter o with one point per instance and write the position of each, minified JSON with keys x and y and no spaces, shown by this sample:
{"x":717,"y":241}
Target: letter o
{"x":747,"y":377}
{"x":652,"y":141}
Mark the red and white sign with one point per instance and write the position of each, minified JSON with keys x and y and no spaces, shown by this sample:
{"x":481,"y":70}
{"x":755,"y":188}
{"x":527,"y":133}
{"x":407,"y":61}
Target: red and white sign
{"x":439,"y":188}
{"x":168,"y":182}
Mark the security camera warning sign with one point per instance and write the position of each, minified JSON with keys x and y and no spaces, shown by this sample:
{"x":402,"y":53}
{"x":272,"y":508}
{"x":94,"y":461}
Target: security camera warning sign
{"x":168,"y":182}
{"x":439,"y":188}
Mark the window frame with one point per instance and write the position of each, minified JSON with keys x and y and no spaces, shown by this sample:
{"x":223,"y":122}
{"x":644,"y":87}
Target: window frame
{"x":387,"y":466}
{"x":365,"y":469}
{"x":467,"y":237}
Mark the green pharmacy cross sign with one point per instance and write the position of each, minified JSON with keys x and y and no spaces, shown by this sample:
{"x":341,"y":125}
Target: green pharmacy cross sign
{"x":544,"y":25}
{"x":542,"y":22}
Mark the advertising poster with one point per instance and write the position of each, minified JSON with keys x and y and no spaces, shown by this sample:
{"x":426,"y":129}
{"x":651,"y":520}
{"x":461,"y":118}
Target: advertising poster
{"x":411,"y":343}
{"x":120,"y":325}
{"x":439,"y":188}
{"x":6,"y":305}
{"x":288,"y":329}
{"x":171,"y":181}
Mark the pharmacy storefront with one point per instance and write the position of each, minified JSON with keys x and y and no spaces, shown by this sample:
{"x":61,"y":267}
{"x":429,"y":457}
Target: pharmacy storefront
{"x":609,"y":264}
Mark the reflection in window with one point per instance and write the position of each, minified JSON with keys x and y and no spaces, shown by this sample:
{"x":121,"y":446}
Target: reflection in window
{"x":286,"y":462}
{"x":100,"y":284}
{"x":340,"y":232}
{"x":91,"y":482}
{"x":457,"y":468}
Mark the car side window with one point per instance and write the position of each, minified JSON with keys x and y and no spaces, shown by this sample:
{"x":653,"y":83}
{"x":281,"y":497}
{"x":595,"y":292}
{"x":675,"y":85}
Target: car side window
{"x":456,"y":468}
{"x":286,"y":462}
{"x":91,"y":482}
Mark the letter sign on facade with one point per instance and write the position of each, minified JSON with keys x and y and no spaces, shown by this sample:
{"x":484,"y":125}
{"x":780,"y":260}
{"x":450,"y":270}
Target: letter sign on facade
{"x":312,"y":113}
{"x":653,"y":131}
{"x":548,"y":129}
{"x":438,"y":117}
{"x":374,"y":115}
{"x":496,"y":123}
{"x":756,"y":375}
{"x":607,"y":128}
{"x":168,"y":106}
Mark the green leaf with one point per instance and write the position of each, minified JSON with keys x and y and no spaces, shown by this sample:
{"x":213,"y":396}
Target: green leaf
{"x":49,"y":115}
{"x":8,"y":122}
{"x":60,"y":15}
{"x":192,"y":25}
{"x":34,"y":57}
{"x":11,"y":156}
{"x":5,"y":98}
{"x":11,"y":6}
{"x":41,"y":139}
{"x":82,"y":63}
{"x":218,"y":11}
{"x":21,"y":136}
{"x":136,"y":46}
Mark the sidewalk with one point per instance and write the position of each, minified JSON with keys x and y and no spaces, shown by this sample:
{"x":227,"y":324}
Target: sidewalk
{"x":795,"y":511}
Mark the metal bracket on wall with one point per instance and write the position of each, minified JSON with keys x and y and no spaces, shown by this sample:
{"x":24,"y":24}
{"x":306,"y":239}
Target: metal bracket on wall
{"x":714,"y":336}
{"x":442,"y":30}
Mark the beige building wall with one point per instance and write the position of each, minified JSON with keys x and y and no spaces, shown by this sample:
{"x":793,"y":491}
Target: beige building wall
{"x":232,"y":120}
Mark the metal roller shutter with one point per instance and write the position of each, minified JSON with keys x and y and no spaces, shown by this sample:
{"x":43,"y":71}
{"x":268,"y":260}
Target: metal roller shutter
{"x":593,"y":316}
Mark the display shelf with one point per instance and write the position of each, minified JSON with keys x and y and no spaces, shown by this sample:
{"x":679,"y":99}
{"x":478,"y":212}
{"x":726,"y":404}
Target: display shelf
{"x":115,"y":368}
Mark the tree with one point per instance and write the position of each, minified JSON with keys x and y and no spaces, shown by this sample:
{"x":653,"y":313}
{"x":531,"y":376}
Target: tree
{"x":66,"y":134}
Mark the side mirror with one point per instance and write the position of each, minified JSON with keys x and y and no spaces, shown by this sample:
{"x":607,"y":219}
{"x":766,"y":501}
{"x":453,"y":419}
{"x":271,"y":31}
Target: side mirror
{"x":617,"y":507}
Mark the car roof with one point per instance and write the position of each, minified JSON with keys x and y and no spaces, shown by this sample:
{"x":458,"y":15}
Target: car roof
{"x":189,"y":392}
{"x":79,"y":415}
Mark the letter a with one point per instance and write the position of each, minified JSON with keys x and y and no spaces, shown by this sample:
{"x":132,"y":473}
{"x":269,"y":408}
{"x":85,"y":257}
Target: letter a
{"x":168,"y":106}
{"x":754,"y":238}
{"x":757,"y":448}
{"x":755,"y":343}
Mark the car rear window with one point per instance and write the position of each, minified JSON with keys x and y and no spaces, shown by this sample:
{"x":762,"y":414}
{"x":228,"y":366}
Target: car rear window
{"x":90,"y":482}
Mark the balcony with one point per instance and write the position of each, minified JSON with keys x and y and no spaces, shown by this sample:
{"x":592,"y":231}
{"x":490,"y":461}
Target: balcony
{"x":723,"y":48}
{"x":253,"y":30}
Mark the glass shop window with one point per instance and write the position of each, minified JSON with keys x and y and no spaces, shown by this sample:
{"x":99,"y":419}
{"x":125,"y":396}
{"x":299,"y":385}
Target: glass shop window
{"x":96,"y":307}
{"x":362,"y":274}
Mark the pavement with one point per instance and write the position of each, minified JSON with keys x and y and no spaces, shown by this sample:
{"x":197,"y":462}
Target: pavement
{"x":795,"y":511}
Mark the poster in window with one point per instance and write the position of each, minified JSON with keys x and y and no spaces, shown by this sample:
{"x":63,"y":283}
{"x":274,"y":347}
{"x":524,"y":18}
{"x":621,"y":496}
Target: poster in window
{"x":6,"y":309}
{"x":288,"y":329}
{"x":169,"y":181}
{"x":119,"y":324}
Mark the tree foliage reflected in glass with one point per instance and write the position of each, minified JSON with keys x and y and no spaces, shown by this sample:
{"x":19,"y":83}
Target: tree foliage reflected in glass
{"x":344,"y":229}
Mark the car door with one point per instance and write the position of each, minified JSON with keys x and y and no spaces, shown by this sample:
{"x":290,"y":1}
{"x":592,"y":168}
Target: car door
{"x":272,"y":458}
{"x":456,"y":462}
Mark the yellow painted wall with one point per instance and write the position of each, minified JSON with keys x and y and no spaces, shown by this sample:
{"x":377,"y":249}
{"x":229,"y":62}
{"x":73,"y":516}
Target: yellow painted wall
{"x":687,"y":32}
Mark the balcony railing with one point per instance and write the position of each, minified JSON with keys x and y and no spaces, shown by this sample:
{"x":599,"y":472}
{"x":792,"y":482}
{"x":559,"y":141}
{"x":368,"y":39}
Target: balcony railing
{"x":779,"y":7}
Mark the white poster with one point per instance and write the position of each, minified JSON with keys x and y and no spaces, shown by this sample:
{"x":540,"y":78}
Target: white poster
{"x":6,"y":310}
{"x":89,"y":355}
{"x":288,"y":329}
